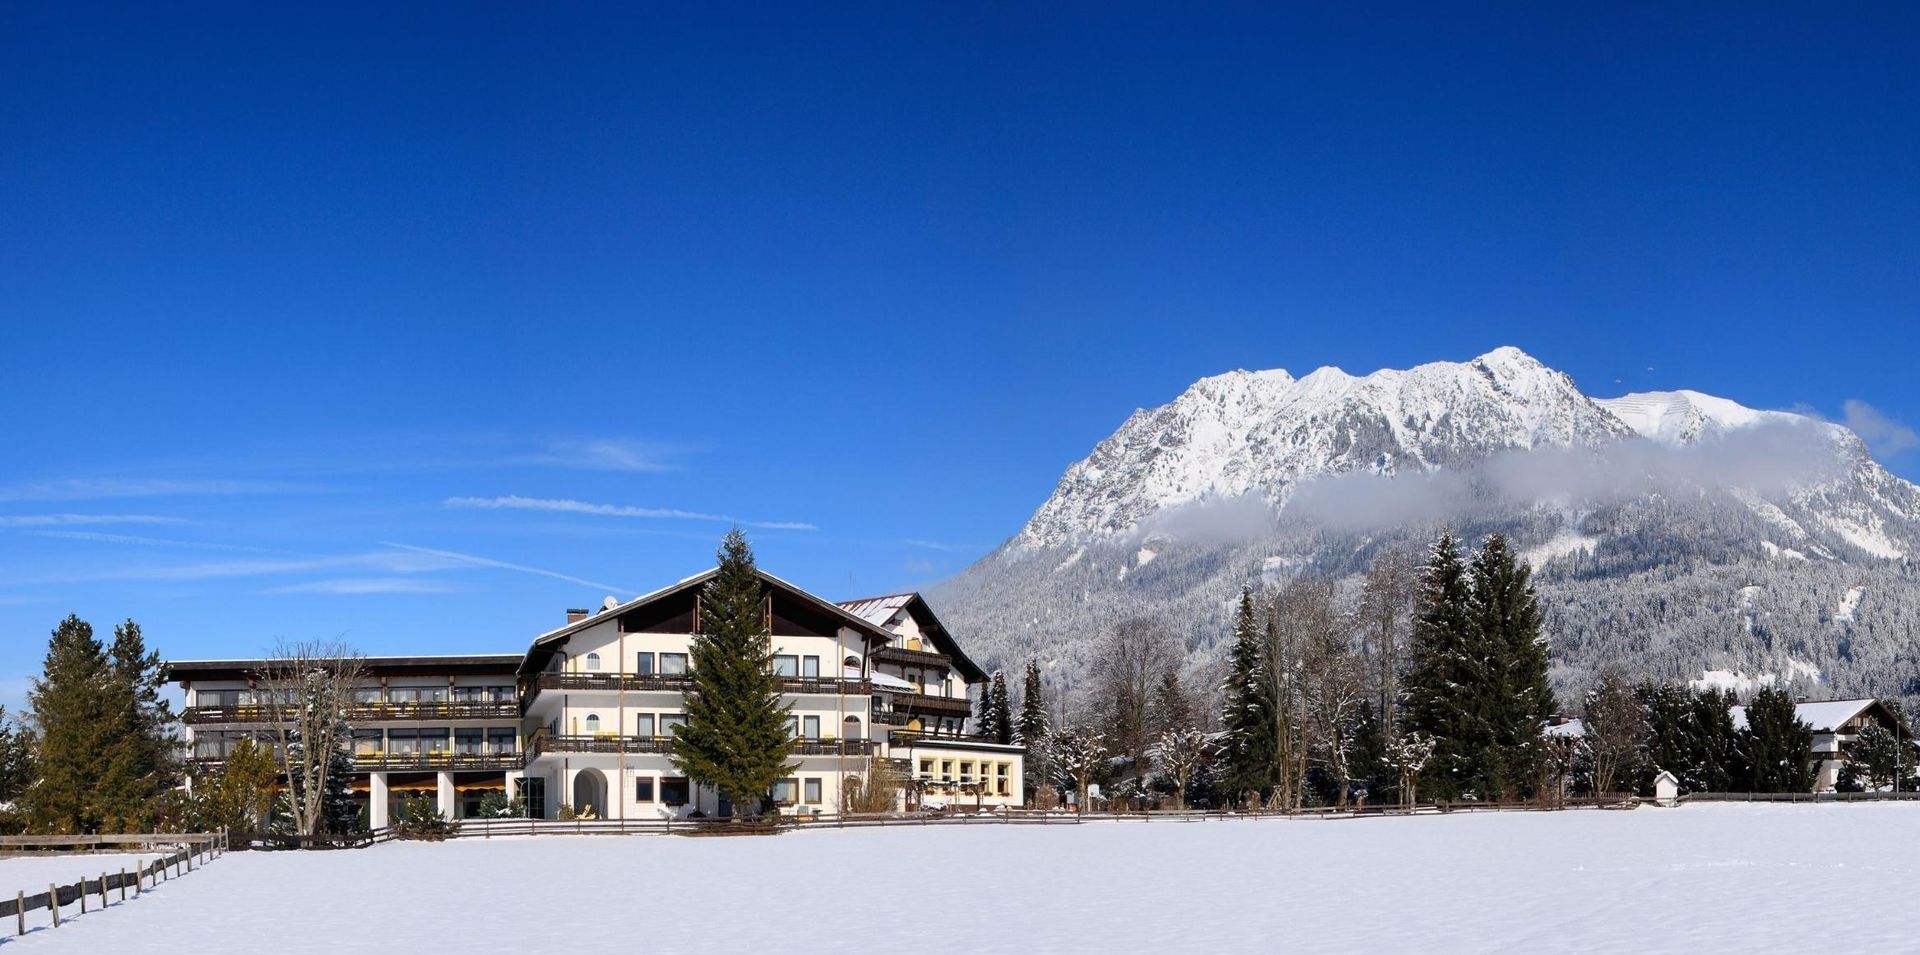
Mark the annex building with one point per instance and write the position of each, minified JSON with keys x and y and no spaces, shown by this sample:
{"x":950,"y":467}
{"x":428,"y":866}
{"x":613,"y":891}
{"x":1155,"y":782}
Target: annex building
{"x":585,"y":717}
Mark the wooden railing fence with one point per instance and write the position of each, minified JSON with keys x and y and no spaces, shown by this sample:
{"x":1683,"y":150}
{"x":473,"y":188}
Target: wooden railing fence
{"x":198,"y":850}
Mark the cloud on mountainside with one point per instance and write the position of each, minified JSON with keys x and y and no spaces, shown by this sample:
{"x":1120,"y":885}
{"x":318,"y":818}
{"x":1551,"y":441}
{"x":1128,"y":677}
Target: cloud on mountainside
{"x":1883,"y":433}
{"x":1765,"y":458}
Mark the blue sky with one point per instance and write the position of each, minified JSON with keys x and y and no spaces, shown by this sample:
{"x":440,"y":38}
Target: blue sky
{"x":291,"y":297}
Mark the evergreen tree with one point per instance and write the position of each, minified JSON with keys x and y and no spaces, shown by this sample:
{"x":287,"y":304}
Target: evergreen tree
{"x":1031,"y":729}
{"x":1445,"y":665}
{"x":1173,"y":708}
{"x":1778,"y":746}
{"x":999,"y":724}
{"x":736,"y":736}
{"x":1517,"y":698}
{"x":146,"y":769}
{"x":81,"y":733}
{"x":1717,"y":763}
{"x":1367,"y":755}
{"x":16,"y":758}
{"x":1250,"y":755}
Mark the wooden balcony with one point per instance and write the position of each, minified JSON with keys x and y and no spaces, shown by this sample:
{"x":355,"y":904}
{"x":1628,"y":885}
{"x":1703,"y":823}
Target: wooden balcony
{"x":383,"y":762}
{"x":900,"y":738}
{"x":923,"y":704}
{"x":404,"y":762}
{"x":912,"y":658}
{"x":608,"y":743}
{"x":634,"y":683}
{"x":410,"y":712}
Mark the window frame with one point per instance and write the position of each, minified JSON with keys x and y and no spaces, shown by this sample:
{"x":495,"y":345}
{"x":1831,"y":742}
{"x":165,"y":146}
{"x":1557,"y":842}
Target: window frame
{"x":810,"y":663}
{"x":676,"y":782}
{"x":811,"y":792}
{"x":644,"y":725}
{"x":644,"y":789}
{"x":643,"y":663}
{"x":686,"y":664}
{"x":792,"y":662}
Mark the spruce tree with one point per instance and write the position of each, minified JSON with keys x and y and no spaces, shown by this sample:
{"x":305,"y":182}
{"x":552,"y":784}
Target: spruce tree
{"x":999,"y":726}
{"x":1173,"y":708}
{"x":1779,"y":747}
{"x":1031,"y":729}
{"x":146,"y":767}
{"x":16,"y":758}
{"x":1250,"y":755}
{"x":1516,"y":698}
{"x":80,"y":734}
{"x":736,"y":738}
{"x":1446,"y":662}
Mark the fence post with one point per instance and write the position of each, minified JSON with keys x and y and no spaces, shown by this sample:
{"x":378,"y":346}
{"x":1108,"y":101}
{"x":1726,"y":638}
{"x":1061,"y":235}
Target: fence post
{"x":123,"y":885}
{"x":103,"y":891}
{"x":20,"y":910}
{"x":53,"y":903}
{"x":83,"y":895}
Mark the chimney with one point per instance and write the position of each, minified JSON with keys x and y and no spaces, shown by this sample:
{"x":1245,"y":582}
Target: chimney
{"x":575,"y":615}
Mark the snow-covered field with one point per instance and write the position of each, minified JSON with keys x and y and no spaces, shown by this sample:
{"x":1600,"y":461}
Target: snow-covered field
{"x":1700,"y":878}
{"x":34,"y":873}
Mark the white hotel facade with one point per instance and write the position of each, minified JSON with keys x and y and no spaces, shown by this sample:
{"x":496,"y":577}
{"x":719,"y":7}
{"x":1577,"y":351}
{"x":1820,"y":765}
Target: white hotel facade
{"x":585,"y":717}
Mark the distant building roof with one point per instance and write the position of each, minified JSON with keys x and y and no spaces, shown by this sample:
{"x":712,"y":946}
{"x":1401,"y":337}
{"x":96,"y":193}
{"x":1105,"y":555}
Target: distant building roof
{"x":882,"y":611}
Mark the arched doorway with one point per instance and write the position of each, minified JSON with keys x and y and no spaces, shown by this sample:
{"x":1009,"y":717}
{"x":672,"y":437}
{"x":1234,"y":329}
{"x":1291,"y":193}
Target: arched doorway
{"x":590,"y":794}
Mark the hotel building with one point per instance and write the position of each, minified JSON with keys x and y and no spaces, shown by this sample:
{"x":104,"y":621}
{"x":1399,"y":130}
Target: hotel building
{"x":585,"y":717}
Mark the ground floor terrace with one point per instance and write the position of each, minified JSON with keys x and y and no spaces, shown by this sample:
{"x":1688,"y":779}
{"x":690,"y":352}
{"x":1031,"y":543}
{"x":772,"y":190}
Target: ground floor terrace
{"x":610,"y":784}
{"x":1698,"y":878}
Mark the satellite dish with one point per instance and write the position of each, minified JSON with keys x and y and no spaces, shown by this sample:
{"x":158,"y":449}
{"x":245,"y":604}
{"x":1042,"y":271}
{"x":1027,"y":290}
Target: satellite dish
{"x":609,"y":603}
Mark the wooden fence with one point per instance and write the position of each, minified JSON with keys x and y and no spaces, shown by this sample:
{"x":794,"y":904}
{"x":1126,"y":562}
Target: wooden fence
{"x":1798,"y":797}
{"x":198,"y":849}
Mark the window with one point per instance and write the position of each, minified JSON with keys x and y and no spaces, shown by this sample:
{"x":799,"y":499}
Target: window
{"x":784,"y":791}
{"x":593,"y":661}
{"x":946,"y":770}
{"x":673,"y":664}
{"x":926,"y":767}
{"x":433,"y":741}
{"x":674,"y":791}
{"x":671,"y":722}
{"x":643,"y":663}
{"x":850,"y":728}
{"x":966,"y":769}
{"x":403,"y":740}
{"x":810,"y":666}
{"x":786,"y":664}
{"x":852,"y":663}
{"x":467,"y":742}
{"x":810,"y":727}
{"x":643,"y":725}
{"x":593,"y":723}
{"x":793,"y":727}
{"x":365,"y":695}
{"x":501,"y":740}
{"x":813,"y":790}
{"x":643,"y":789}
{"x":366,"y":742}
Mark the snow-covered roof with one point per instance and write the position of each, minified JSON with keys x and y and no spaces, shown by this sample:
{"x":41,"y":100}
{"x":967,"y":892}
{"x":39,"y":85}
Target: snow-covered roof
{"x":881,"y":680}
{"x":1824,"y":716}
{"x":1571,"y":729}
{"x":879,"y":611}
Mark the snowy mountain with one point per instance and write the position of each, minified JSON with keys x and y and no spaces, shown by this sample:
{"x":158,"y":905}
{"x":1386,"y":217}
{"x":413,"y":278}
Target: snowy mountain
{"x":1675,"y":532}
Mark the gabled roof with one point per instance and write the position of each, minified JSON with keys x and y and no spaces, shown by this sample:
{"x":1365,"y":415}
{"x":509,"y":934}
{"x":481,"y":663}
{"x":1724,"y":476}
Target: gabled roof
{"x":176,"y":671}
{"x":882,"y":611}
{"x":1824,"y":716}
{"x":557,"y":636}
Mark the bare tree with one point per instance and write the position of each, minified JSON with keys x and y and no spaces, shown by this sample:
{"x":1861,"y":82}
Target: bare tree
{"x":1617,"y":730}
{"x":1136,"y":656}
{"x":1178,"y":753}
{"x":1283,"y":661}
{"x":1332,"y":677}
{"x":1409,"y":755}
{"x":1386,"y":607}
{"x":308,"y":687}
{"x":1078,"y":755}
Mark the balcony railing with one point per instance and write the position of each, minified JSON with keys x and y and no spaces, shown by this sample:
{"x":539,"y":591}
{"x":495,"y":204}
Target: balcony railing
{"x":609,"y":743}
{"x":917,"y":658}
{"x":433,"y":760}
{"x":366,"y":712}
{"x":681,"y":683}
{"x":380,"y":762}
{"x":899,"y":738}
{"x":923,"y":703}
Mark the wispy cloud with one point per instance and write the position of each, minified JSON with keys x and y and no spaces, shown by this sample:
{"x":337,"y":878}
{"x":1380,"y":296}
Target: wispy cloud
{"x":68,"y":520}
{"x":503,"y":565}
{"x":1882,"y":432}
{"x":380,"y":561}
{"x":84,"y":489}
{"x":605,"y":454}
{"x":563,"y":505}
{"x":366,"y":585}
{"x":936,"y":545}
{"x":138,"y":541}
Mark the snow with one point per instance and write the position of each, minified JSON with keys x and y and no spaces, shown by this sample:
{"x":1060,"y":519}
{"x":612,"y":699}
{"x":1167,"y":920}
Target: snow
{"x":1563,"y":544}
{"x":1698,"y":878}
{"x":1776,"y":552}
{"x":1848,"y":601}
{"x":33,"y":873}
{"x":1682,"y":417}
{"x":1731,"y":681}
{"x":1145,"y":556}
